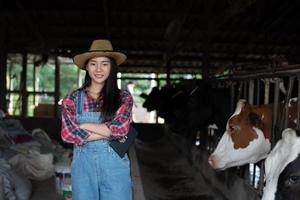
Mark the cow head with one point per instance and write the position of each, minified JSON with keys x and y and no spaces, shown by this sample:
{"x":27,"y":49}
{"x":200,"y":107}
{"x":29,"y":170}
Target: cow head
{"x":247,"y":137}
{"x":152,"y":99}
{"x":288,"y":186}
{"x":283,"y":168}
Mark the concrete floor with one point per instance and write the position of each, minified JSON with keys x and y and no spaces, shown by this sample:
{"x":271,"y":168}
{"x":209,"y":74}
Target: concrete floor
{"x":166,"y":173}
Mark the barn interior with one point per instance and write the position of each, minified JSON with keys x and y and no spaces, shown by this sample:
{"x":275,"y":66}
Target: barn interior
{"x":233,"y":44}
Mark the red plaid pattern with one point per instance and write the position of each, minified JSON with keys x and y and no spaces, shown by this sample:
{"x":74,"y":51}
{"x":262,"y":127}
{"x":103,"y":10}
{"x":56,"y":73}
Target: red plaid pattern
{"x":119,"y":125}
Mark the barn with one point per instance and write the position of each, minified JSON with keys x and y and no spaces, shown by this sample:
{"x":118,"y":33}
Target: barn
{"x":214,"y":89}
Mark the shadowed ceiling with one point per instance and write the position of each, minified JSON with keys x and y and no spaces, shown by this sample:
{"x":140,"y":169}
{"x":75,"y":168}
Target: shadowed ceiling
{"x":188,"y":35}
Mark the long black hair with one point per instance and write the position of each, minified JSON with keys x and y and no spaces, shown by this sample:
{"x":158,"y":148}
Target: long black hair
{"x":110,"y":91}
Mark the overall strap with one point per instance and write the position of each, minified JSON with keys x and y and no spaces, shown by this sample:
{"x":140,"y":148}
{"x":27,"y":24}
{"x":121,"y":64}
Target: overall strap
{"x":79,"y":105}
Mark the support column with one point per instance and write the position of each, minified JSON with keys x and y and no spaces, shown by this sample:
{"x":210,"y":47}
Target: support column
{"x":23,"y":92}
{"x":298,"y":103}
{"x":168,"y":71}
{"x":232,"y":97}
{"x":57,"y":88}
{"x":275,"y":128}
{"x":251,"y":92}
{"x":3,"y":57}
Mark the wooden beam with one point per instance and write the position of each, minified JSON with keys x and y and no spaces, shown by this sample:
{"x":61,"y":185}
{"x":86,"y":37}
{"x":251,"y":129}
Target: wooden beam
{"x":289,"y":70}
{"x":236,"y":7}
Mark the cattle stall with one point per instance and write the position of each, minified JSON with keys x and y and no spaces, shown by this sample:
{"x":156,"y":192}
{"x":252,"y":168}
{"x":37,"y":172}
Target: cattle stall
{"x":188,"y":108}
{"x":277,"y":86}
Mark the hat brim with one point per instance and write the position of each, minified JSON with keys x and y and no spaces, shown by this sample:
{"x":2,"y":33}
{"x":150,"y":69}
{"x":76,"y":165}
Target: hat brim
{"x":80,"y":59}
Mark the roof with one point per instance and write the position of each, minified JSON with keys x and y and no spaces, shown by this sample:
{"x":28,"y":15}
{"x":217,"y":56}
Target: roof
{"x":185,"y":35}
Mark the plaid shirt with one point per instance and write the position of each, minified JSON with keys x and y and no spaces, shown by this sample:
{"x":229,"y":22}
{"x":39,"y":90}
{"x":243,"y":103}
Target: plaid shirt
{"x":119,"y":125}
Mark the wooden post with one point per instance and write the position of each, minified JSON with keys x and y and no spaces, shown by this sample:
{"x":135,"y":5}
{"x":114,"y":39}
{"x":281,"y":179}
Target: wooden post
{"x":3,"y":57}
{"x":267,"y":91}
{"x":35,"y":82}
{"x":240,"y":90}
{"x":261,"y":177}
{"x":232,"y":97}
{"x":251,"y":92}
{"x":245,"y":90}
{"x":298,"y":105}
{"x":23,"y":91}
{"x":257,"y":92}
{"x":285,"y":114}
{"x":158,"y":86}
{"x":168,"y":70}
{"x":57,"y":88}
{"x":275,"y":114}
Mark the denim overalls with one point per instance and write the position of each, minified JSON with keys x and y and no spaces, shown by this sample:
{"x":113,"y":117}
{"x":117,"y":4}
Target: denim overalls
{"x":98,"y":173}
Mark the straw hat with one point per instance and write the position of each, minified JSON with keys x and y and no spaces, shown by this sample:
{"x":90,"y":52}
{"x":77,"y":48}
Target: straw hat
{"x":99,"y":48}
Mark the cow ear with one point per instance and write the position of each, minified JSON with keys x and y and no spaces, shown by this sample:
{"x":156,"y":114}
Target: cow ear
{"x":254,"y":119}
{"x":242,"y":103}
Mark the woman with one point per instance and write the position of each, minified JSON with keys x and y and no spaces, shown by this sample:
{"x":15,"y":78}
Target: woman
{"x":91,"y":116}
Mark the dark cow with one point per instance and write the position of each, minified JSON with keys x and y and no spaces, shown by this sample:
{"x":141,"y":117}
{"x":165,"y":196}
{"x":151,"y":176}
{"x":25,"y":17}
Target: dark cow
{"x":282,"y":167}
{"x":204,"y":108}
{"x":191,"y":107}
{"x":248,"y":135}
{"x":165,"y":100}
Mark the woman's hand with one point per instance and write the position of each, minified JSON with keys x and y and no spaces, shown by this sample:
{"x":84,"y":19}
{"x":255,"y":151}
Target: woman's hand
{"x":94,"y":136}
{"x":83,"y":126}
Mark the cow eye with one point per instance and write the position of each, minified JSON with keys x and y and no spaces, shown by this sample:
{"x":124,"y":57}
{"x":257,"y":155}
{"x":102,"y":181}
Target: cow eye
{"x":231,"y":128}
{"x":293,"y":180}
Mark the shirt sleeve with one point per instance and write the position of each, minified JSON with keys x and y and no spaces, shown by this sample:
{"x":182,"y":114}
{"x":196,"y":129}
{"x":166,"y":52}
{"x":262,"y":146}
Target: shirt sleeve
{"x":119,"y":125}
{"x":70,"y":131}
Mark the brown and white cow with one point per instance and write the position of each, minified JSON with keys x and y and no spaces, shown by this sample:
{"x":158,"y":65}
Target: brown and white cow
{"x":247,"y":138}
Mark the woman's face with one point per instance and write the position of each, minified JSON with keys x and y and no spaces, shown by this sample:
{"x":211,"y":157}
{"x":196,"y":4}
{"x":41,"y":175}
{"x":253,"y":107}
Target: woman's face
{"x":98,"y":69}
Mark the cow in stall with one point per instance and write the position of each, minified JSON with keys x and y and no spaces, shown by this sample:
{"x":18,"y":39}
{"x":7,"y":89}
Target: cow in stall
{"x":167,"y":101}
{"x":282,"y":168}
{"x":247,"y":138}
{"x":189,"y":108}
